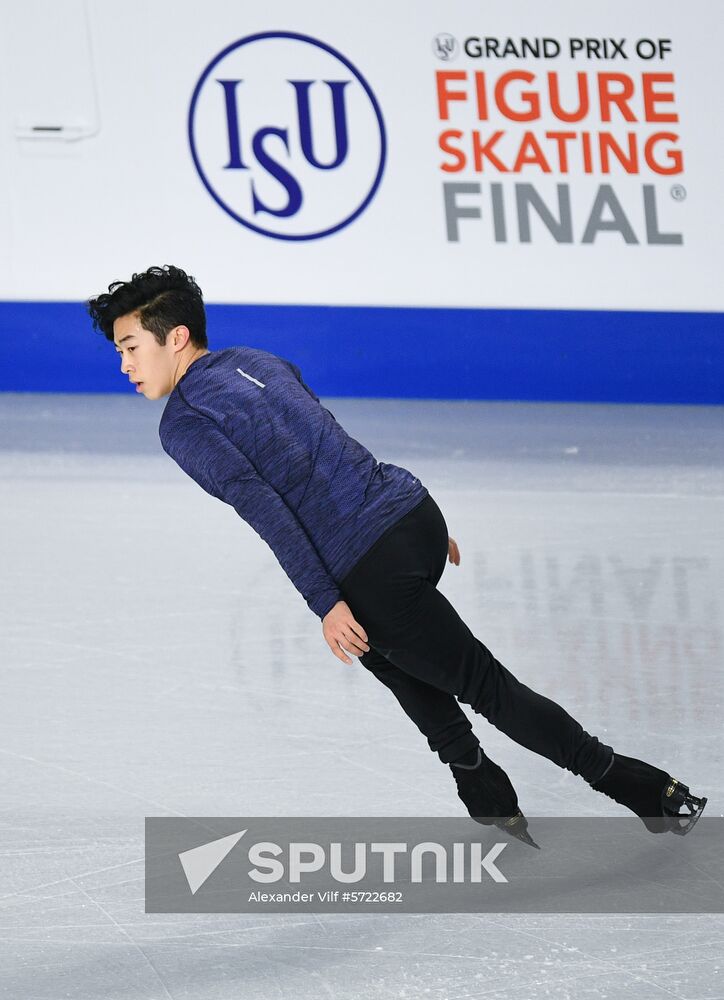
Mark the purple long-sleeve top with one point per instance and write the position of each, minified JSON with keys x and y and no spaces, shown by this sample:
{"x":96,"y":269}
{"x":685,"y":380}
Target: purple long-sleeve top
{"x":243,"y":424}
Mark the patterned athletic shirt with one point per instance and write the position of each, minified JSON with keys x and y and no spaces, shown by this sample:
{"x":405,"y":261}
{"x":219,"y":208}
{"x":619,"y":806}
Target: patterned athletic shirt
{"x":243,"y":424}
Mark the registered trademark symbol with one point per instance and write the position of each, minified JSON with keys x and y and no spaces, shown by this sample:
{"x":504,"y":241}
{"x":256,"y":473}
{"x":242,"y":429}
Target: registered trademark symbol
{"x":678,"y":192}
{"x":445,"y":46}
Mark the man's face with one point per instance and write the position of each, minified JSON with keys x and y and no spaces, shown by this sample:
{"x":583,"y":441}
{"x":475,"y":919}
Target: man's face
{"x":143,"y":360}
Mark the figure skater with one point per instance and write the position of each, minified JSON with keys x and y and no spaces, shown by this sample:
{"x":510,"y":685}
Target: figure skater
{"x":363,"y":542}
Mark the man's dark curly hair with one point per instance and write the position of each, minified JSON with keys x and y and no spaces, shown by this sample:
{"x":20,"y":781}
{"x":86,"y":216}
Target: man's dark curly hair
{"x":163,"y":297}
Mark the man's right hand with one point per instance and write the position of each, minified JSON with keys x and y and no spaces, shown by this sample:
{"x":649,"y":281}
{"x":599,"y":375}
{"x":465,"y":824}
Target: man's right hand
{"x":343,"y":633}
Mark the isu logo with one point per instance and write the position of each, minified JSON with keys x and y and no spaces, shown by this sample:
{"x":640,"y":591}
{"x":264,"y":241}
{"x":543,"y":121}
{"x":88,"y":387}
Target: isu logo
{"x":287,"y":136}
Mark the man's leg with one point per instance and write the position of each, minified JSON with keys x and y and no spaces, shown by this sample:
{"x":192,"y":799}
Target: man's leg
{"x":438,"y":648}
{"x":437,"y":715}
{"x":392,"y":593}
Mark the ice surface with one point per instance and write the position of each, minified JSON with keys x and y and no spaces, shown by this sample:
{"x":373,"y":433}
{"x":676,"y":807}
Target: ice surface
{"x":157,"y":661}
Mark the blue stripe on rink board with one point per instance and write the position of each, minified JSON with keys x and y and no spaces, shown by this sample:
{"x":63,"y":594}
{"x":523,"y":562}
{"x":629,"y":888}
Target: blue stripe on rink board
{"x":562,"y":355}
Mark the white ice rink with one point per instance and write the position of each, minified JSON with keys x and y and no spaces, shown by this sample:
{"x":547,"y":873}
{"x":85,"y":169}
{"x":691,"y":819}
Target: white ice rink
{"x":156,"y":661}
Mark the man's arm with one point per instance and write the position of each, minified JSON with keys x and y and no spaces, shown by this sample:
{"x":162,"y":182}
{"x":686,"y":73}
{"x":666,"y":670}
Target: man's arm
{"x":200,"y":447}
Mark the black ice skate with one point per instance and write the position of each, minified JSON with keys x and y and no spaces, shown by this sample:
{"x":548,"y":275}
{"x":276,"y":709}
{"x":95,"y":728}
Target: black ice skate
{"x":651,"y":793}
{"x":489,"y":797}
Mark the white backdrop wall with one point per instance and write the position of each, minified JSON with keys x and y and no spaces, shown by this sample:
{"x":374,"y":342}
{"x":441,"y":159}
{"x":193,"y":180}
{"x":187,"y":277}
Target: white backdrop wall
{"x":117,"y":189}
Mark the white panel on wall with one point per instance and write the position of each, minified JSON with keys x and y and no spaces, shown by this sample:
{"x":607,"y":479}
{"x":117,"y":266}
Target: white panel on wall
{"x":50,"y":71}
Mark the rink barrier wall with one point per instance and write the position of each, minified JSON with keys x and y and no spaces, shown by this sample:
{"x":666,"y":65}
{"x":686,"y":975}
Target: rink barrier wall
{"x":564,"y":355}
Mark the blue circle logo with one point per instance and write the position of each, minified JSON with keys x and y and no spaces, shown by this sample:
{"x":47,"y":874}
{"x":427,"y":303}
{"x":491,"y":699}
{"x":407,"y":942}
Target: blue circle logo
{"x":287,"y":136}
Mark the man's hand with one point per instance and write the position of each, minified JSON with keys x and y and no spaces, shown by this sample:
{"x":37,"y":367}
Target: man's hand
{"x":343,"y":633}
{"x":453,"y":551}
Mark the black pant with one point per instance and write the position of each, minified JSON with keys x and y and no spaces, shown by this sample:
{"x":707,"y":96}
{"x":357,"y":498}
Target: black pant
{"x":427,"y":656}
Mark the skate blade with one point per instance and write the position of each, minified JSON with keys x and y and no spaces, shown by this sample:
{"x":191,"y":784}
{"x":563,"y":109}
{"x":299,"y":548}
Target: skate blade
{"x":680,"y":823}
{"x":517,"y":826}
{"x":696,"y":805}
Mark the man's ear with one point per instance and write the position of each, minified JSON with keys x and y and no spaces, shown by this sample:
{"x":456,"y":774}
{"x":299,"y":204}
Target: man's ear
{"x":179,"y":337}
